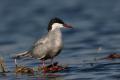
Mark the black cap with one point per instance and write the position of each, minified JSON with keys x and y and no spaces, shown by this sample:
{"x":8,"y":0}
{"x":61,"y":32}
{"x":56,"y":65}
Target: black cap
{"x":54,"y":20}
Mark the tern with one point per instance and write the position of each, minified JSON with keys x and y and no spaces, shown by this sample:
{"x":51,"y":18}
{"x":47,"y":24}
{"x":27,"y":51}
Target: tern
{"x":48,"y":46}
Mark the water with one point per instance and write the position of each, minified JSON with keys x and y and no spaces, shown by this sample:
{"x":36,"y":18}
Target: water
{"x":96,"y":24}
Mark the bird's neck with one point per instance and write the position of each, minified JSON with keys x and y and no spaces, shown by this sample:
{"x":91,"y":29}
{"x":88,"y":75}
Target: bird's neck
{"x":57,"y":38}
{"x":56,"y":33}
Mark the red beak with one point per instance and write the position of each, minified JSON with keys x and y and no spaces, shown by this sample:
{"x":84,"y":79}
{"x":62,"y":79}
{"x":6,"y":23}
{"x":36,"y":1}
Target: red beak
{"x":67,"y":26}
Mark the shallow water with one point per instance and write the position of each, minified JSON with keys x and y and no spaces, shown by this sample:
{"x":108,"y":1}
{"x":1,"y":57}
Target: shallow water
{"x":96,"y":24}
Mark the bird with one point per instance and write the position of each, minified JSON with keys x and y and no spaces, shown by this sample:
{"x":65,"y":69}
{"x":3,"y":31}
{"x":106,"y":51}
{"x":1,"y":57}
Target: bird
{"x":49,"y":45}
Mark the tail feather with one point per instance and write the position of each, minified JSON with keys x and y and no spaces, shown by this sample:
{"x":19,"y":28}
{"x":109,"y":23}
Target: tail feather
{"x":20,"y":55}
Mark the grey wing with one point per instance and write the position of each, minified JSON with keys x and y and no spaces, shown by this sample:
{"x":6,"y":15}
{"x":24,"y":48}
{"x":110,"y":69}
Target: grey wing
{"x":41,"y":41}
{"x":40,"y":47}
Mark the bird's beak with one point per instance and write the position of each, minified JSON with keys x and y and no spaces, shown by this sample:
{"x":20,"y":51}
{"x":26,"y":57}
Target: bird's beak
{"x":67,"y":26}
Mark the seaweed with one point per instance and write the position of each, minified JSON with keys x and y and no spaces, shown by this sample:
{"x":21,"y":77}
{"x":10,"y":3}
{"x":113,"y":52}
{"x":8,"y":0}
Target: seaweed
{"x":2,"y":65}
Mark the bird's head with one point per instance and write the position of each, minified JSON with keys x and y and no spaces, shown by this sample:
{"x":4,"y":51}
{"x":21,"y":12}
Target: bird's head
{"x":57,"y":23}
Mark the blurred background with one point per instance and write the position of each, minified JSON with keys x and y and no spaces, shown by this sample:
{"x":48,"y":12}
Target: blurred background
{"x":96,"y":24}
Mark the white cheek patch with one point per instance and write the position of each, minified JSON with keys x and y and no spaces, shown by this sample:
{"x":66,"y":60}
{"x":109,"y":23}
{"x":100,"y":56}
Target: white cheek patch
{"x":57,"y":25}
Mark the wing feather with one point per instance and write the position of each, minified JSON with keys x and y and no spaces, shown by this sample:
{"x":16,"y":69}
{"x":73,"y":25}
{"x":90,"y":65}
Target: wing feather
{"x":41,"y":47}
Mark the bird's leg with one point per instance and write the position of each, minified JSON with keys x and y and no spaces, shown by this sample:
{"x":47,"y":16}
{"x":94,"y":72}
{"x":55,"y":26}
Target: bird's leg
{"x":44,"y":68}
{"x":43,"y":63}
{"x":52,"y":62}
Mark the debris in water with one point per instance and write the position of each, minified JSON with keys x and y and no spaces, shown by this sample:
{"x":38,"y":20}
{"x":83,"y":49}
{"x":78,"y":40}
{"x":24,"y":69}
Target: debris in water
{"x":23,"y":69}
{"x":51,"y":68}
{"x":20,"y":69}
{"x":111,"y":56}
{"x":2,"y":65}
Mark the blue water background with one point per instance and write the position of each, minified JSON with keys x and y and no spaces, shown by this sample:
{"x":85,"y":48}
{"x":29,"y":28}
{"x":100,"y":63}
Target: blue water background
{"x":96,"y":25}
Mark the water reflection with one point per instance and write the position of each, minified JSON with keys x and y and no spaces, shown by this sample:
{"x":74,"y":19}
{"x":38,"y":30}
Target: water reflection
{"x":48,"y":76}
